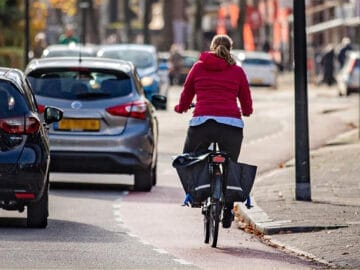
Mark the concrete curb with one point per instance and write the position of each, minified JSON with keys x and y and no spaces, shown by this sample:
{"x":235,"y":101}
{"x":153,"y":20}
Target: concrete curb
{"x":261,"y":222}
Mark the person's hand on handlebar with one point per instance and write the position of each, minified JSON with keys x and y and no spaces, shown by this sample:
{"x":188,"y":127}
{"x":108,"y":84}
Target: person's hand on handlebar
{"x":177,"y":108}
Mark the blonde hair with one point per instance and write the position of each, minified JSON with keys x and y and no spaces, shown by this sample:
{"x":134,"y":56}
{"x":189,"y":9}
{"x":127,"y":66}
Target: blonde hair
{"x":221,"y":46}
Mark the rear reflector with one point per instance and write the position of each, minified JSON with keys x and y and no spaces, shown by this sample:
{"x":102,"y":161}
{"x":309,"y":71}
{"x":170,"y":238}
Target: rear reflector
{"x":218,"y":159}
{"x":24,"y":195}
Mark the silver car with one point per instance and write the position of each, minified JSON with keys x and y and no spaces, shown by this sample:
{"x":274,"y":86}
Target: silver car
{"x":108,"y":125}
{"x":260,"y":69}
{"x":348,"y":79}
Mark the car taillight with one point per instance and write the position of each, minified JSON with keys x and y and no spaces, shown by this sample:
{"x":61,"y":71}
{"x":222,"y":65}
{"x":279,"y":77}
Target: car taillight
{"x":20,"y":125}
{"x":136,"y":109}
{"x":41,"y":108}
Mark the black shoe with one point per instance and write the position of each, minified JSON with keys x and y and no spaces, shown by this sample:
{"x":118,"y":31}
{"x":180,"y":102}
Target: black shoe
{"x":228,"y":217}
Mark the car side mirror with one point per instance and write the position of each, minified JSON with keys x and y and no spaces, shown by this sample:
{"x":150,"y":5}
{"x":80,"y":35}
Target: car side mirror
{"x":52,"y":114}
{"x":159,"y":101}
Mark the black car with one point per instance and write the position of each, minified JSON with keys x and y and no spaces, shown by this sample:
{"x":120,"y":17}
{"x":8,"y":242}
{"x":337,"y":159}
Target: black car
{"x":24,"y":148}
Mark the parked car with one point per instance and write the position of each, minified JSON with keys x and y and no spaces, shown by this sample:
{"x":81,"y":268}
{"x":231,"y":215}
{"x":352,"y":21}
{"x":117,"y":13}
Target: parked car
{"x":144,"y":57}
{"x":348,"y":78}
{"x":24,"y":148}
{"x":70,"y":50}
{"x":189,"y":58}
{"x":259,"y":67}
{"x":108,"y":126}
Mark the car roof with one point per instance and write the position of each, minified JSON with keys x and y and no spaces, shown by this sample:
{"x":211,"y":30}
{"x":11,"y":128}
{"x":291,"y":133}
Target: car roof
{"x":129,"y":46}
{"x":88,"y":48}
{"x":355,"y":54}
{"x":86,"y":62}
{"x":13,"y":75}
{"x":241,"y":54}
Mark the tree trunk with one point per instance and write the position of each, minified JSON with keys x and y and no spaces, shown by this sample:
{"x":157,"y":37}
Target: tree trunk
{"x":239,"y":36}
{"x":127,"y":22}
{"x":147,"y":19}
{"x":198,"y":35}
{"x":93,"y":19}
{"x":167,"y":31}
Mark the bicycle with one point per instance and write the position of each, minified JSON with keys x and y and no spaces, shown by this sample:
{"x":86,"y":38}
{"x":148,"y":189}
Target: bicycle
{"x":204,"y":179}
{"x":212,"y":207}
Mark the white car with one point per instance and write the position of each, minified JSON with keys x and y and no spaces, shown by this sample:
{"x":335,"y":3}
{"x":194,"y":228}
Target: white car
{"x":259,"y":67}
{"x":348,"y":79}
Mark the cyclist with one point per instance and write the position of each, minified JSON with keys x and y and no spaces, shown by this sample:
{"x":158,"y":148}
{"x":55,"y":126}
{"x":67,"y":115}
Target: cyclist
{"x":217,"y":82}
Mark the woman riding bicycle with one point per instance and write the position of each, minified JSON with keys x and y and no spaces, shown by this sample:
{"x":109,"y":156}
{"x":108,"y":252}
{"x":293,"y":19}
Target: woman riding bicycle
{"x":217,"y":82}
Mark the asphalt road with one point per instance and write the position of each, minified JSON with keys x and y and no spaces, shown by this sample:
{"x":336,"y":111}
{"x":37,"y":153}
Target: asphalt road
{"x":107,"y":227}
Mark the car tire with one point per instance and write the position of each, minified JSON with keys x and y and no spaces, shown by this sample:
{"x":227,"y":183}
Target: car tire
{"x":154,"y":176}
{"x":143,"y":180}
{"x":38,"y":211}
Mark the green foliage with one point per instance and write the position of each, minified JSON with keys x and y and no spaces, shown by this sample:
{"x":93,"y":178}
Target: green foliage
{"x":11,"y":57}
{"x":10,"y":12}
{"x":11,"y":22}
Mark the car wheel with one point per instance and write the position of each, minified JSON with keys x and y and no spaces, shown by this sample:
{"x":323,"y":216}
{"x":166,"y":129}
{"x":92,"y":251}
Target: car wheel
{"x":154,"y":176}
{"x":143,"y":180}
{"x":37,"y":212}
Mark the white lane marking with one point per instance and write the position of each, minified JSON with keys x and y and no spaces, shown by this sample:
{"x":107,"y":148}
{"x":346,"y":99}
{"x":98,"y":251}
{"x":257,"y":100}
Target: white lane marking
{"x":144,"y":242}
{"x":183,"y":262}
{"x":132,"y":235}
{"x":161,"y":251}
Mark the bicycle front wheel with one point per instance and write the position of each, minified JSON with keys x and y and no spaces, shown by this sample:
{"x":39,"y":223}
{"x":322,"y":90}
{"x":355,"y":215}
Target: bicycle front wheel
{"x":206,"y":213}
{"x":214,"y":220}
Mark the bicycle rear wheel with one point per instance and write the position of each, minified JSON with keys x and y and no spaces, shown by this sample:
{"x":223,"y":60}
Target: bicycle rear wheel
{"x":214,"y":220}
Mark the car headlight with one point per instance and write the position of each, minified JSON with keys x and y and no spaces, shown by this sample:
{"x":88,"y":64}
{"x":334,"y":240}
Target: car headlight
{"x":146,"y":81}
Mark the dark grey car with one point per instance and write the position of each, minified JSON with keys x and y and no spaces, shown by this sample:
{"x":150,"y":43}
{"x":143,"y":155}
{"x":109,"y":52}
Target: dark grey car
{"x":108,"y":125}
{"x":24,"y":148}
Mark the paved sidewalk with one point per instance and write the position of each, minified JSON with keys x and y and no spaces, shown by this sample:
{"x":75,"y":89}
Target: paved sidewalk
{"x":327,"y":229}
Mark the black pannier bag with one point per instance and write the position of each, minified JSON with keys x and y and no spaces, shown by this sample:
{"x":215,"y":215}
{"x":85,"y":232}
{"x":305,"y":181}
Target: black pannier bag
{"x":239,"y":181}
{"x":193,"y":172}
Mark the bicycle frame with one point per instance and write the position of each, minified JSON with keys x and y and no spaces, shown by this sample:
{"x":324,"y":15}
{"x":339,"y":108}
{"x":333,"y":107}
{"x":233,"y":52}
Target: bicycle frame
{"x":213,"y":206}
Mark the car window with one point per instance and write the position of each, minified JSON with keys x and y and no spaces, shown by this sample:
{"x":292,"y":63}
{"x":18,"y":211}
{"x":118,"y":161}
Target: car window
{"x":189,"y":61}
{"x":12,"y":103}
{"x":256,"y":61}
{"x":80,"y":84}
{"x":141,"y":59}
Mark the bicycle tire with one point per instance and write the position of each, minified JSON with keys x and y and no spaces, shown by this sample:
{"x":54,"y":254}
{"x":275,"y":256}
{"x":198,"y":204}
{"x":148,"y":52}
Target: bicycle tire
{"x":205,"y":211}
{"x":206,"y":228}
{"x":214,"y":220}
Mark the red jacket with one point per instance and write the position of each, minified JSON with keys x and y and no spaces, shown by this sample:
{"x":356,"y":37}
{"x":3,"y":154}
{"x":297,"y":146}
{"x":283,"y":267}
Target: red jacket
{"x":217,"y":85}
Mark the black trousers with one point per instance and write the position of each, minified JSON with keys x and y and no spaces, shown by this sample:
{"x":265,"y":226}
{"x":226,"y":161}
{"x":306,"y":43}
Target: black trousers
{"x":200,"y":137}
{"x":229,"y":139}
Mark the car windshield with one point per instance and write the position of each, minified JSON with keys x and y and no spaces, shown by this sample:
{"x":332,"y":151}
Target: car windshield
{"x":80,"y":84}
{"x":141,"y":59}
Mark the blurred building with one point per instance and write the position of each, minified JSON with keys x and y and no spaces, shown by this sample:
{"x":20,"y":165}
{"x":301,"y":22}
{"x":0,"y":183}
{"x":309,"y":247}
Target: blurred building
{"x":328,"y":22}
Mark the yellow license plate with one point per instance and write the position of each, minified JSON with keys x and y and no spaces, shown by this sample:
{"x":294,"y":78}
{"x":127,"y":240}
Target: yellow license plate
{"x":79,"y":124}
{"x":256,"y":81}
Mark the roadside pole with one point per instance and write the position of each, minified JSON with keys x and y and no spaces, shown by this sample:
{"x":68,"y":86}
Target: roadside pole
{"x":302,"y":161}
{"x":84,"y":5}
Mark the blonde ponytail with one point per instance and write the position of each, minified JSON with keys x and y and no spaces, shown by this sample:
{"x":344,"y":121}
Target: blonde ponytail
{"x":221,"y":46}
